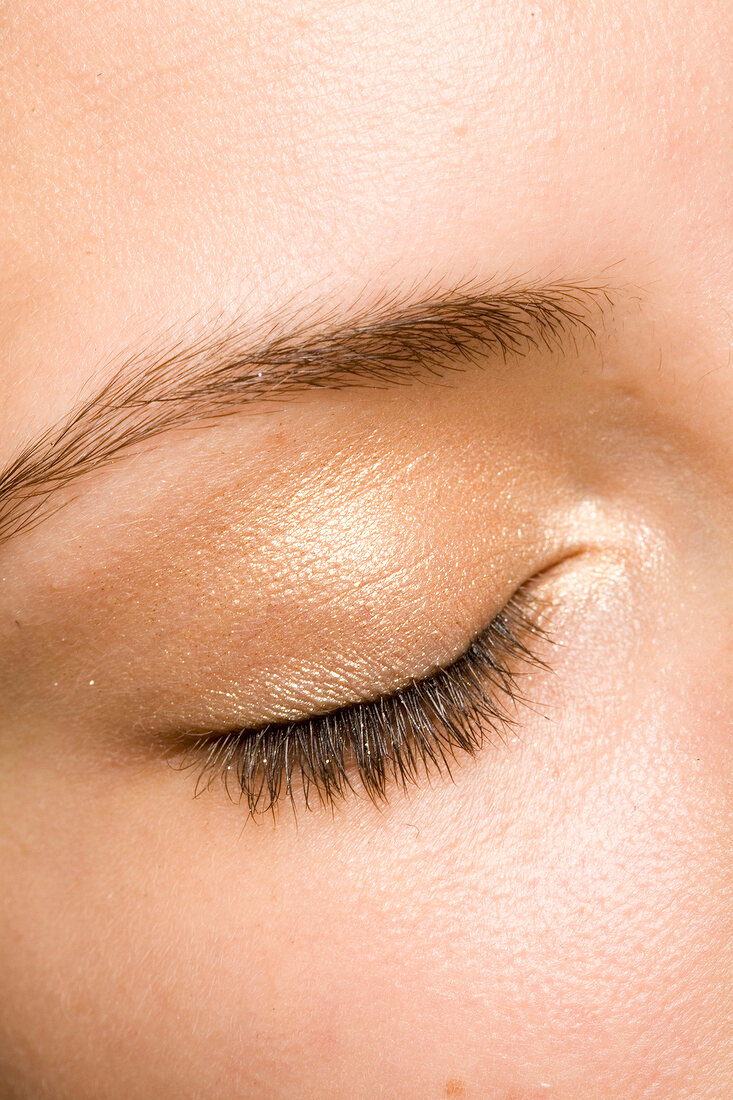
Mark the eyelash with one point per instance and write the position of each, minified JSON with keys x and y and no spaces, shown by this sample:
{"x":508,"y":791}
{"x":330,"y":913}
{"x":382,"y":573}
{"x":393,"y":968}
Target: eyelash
{"x":392,"y":740}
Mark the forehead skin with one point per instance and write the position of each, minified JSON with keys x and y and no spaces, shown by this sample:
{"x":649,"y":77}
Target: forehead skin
{"x":164,"y":160}
{"x":160,"y":159}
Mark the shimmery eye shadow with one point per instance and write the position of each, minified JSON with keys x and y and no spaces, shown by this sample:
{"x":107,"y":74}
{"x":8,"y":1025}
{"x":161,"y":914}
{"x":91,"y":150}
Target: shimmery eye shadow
{"x":386,"y":743}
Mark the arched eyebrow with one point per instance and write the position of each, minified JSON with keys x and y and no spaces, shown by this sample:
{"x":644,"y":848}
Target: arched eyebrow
{"x":195,"y":380}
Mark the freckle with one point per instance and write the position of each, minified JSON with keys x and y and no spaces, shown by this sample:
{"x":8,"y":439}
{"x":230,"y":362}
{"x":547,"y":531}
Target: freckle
{"x":454,"y":1086}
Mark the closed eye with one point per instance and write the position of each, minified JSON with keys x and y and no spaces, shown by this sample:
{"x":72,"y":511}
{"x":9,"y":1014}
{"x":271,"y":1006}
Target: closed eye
{"x":389,"y":742}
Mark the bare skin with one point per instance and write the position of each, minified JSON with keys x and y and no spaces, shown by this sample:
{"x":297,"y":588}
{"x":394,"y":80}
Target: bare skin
{"x":556,"y":918}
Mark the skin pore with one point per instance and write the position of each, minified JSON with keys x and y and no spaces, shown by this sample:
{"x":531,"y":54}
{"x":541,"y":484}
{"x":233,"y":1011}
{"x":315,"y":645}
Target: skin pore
{"x":552,"y":919}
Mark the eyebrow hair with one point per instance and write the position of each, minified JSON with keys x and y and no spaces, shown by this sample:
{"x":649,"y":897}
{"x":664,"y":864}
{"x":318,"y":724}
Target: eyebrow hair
{"x":192,"y":381}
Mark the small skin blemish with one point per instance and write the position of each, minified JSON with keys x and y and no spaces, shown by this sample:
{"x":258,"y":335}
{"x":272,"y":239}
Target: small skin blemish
{"x":454,"y":1086}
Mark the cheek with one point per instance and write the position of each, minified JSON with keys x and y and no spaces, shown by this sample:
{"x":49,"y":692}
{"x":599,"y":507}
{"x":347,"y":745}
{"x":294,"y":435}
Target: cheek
{"x":559,"y":916}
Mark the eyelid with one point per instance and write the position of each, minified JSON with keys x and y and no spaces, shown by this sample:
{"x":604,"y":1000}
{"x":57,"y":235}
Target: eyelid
{"x":391,"y":741}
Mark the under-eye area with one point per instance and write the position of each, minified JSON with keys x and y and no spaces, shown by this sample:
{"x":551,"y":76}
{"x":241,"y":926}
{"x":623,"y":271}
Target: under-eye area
{"x":386,"y":744}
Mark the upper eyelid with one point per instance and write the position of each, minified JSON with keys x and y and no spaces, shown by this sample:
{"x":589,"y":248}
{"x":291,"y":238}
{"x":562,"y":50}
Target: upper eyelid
{"x":457,"y":698}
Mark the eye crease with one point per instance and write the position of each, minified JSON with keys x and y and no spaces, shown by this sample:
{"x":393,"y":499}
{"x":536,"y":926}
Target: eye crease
{"x":385,"y":744}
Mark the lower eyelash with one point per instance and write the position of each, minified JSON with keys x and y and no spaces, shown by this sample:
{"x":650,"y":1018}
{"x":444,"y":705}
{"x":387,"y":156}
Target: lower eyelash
{"x":391,"y":741}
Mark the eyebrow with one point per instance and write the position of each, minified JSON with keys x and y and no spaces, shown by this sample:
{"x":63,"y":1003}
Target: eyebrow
{"x":194,"y":380}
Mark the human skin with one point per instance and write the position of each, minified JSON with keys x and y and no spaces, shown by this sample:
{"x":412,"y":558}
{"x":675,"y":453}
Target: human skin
{"x":556,"y":919}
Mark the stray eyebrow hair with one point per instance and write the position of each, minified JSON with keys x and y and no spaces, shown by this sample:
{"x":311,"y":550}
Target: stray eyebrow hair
{"x":191,"y":381}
